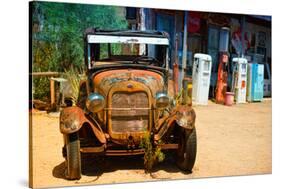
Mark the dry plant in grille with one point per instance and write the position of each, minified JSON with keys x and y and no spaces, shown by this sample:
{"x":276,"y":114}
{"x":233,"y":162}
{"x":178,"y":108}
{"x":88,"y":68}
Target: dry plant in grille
{"x":152,"y":155}
{"x":73,"y":78}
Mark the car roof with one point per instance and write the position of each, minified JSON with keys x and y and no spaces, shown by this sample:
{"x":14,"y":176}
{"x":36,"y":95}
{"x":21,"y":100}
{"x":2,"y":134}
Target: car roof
{"x":129,"y":33}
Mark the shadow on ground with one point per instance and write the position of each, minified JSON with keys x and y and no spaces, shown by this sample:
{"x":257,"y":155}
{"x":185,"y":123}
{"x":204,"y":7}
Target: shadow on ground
{"x":96,"y":166}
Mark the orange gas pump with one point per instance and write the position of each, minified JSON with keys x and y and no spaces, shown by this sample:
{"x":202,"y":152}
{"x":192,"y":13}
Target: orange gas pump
{"x":223,"y":66}
{"x":222,"y":78}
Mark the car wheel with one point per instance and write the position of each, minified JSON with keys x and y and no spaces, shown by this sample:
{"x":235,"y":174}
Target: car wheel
{"x":73,"y":157}
{"x":186,"y":153}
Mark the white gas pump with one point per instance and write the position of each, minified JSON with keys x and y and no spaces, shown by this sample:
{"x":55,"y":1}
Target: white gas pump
{"x":201,"y":78}
{"x":239,"y":79}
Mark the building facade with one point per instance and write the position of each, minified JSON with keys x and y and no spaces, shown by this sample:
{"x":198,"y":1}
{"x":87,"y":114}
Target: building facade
{"x":199,"y":32}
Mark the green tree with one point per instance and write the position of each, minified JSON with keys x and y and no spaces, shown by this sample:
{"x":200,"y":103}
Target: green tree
{"x":57,"y":37}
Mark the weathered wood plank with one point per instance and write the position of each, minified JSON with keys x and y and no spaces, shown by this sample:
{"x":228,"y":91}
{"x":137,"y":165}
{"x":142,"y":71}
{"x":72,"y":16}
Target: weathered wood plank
{"x":48,"y":74}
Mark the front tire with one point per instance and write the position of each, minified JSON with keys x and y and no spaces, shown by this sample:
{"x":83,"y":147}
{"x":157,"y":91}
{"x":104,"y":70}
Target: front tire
{"x":73,"y":157}
{"x":186,"y":153}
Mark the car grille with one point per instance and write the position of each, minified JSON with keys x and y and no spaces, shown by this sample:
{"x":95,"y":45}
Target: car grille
{"x":130,"y":112}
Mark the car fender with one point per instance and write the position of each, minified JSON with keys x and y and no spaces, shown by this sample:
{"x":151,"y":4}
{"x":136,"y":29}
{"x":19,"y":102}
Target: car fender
{"x":73,"y":118}
{"x":182,"y":115}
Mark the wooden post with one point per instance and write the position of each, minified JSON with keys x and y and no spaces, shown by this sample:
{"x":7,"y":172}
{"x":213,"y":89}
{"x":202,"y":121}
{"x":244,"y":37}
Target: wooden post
{"x":176,"y":78}
{"x":176,"y":69}
{"x":52,"y":91}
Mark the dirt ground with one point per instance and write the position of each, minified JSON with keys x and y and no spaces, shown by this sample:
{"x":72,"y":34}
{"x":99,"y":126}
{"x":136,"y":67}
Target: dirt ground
{"x":231,"y":141}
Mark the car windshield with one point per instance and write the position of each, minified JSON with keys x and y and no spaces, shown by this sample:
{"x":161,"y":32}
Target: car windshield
{"x":108,"y":51}
{"x":127,"y":52}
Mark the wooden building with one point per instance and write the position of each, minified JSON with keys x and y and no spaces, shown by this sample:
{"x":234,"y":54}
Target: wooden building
{"x":199,"y":32}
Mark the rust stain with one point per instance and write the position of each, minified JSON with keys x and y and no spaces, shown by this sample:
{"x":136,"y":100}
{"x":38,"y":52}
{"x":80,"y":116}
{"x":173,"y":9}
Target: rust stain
{"x":105,"y":80}
{"x":180,"y":111}
{"x":73,"y":118}
{"x":137,"y":87}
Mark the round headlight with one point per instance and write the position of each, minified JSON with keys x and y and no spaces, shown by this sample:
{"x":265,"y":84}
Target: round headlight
{"x":162,"y":100}
{"x":95,"y":102}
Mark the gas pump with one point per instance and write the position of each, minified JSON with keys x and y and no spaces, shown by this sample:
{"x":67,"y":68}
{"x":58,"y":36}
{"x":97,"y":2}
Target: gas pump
{"x":201,"y":78}
{"x":223,"y":66}
{"x":255,"y":82}
{"x":239,"y":79}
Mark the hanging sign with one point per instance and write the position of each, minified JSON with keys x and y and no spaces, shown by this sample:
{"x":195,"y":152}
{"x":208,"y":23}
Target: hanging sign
{"x":193,"y":22}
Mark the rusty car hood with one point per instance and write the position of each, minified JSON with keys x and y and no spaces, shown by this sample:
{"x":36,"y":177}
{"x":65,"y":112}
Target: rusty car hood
{"x":105,"y":80}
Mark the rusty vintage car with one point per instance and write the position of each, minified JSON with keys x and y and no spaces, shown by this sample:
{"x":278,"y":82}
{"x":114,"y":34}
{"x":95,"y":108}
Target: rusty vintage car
{"x":128,"y":92}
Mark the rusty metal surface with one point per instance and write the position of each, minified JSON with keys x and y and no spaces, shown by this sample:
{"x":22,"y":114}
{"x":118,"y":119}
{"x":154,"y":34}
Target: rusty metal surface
{"x":176,"y":77}
{"x":130,"y":94}
{"x":159,"y":122}
{"x":129,"y":112}
{"x":124,"y":152}
{"x":168,"y":146}
{"x":169,"y":122}
{"x":187,"y":114}
{"x":132,"y":115}
{"x":111,"y":152}
{"x":179,"y":112}
{"x":105,"y":80}
{"x":72,"y":119}
{"x":122,"y":111}
{"x":98,"y":149}
{"x":101,"y":149}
